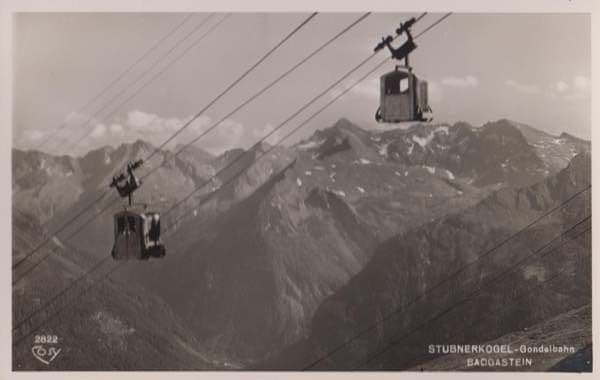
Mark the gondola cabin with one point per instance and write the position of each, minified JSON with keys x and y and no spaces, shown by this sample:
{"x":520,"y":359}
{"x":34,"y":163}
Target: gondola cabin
{"x":137,"y":236}
{"x":403,"y":98}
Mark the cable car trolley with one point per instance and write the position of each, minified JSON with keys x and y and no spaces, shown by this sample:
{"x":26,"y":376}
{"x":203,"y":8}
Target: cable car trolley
{"x":136,"y":232}
{"x":403,"y":96}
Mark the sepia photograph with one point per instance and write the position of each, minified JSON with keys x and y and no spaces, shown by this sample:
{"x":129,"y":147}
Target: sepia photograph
{"x":374,"y":191}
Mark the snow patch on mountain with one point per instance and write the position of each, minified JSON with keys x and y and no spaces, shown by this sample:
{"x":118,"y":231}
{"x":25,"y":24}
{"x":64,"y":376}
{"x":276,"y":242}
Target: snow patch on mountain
{"x":430,"y":169}
{"x":423,"y":141}
{"x":443,"y":129}
{"x":57,"y":242}
{"x":310,"y":145}
{"x":383,"y":149}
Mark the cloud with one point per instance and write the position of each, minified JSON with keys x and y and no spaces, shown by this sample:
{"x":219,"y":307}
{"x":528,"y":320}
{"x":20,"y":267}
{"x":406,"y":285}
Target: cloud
{"x":148,"y":123}
{"x":33,"y":135}
{"x":580,"y":89}
{"x":259,"y":133}
{"x":78,"y":118}
{"x":435,"y":92}
{"x":221,"y":137}
{"x":153,"y":128}
{"x":581,"y":83}
{"x":561,"y":86}
{"x":463,"y":82}
{"x":156,"y":129}
{"x":225,"y":136}
{"x":138,"y":119}
{"x":201,"y":123}
{"x":525,"y":88}
{"x":99,"y":131}
{"x":368,"y":88}
{"x":116,"y":129}
{"x":561,"y":90}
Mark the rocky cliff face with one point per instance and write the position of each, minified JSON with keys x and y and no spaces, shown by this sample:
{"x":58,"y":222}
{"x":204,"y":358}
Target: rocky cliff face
{"x":496,"y":153}
{"x":410,"y":266}
{"x":555,"y":151}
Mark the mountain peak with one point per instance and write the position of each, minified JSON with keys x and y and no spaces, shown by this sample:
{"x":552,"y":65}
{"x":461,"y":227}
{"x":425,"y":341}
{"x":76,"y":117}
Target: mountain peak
{"x":103,"y":150}
{"x":346,"y":128}
{"x":196,"y":151}
{"x":343,"y":127}
{"x":344,"y":123}
{"x":141,"y":144}
{"x":568,"y":136}
{"x":504,"y":127}
{"x":462,"y":124}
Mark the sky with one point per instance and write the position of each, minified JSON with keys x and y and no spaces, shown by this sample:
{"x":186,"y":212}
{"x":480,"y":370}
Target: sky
{"x":531,"y":68}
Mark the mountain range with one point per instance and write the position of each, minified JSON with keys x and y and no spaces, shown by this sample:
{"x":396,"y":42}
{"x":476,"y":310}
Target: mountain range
{"x":310,"y":242}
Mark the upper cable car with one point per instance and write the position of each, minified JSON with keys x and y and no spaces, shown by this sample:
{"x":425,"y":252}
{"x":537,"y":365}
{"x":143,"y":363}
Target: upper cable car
{"x":136,"y":233}
{"x":403,"y":96}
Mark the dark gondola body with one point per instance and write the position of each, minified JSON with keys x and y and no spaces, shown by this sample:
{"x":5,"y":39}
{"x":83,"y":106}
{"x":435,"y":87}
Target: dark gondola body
{"x":137,"y":236}
{"x":403,"y":98}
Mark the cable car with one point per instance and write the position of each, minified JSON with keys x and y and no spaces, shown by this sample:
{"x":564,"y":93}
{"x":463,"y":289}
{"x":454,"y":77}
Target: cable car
{"x":403,"y":96}
{"x":137,"y":236}
{"x":136,"y":232}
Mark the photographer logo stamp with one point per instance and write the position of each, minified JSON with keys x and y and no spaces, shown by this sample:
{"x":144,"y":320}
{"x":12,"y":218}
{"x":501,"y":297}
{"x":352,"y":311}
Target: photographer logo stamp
{"x":45,"y":348}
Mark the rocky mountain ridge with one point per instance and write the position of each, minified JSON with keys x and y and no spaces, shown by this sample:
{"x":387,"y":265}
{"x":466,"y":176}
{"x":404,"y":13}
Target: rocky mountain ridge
{"x":291,"y":230}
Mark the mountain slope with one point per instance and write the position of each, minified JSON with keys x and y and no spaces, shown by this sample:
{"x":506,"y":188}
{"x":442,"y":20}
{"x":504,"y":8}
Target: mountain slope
{"x":555,"y":151}
{"x":266,"y":261}
{"x":113,"y":326}
{"x":407,"y":265}
{"x":286,"y":228}
{"x":275,"y":255}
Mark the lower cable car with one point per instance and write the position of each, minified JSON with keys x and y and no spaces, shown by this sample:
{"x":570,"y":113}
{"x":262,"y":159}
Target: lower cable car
{"x":137,"y":236}
{"x":403,"y":96}
{"x":136,"y":233}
